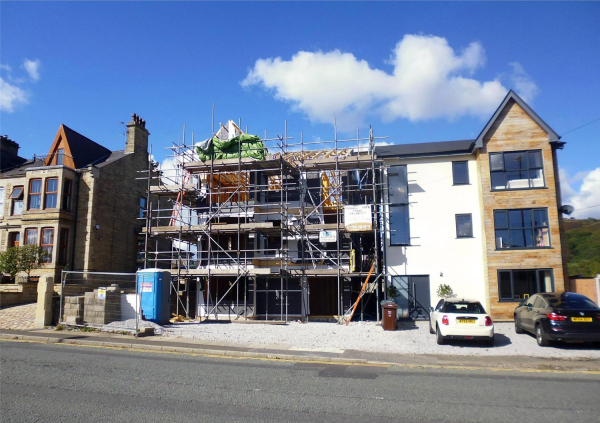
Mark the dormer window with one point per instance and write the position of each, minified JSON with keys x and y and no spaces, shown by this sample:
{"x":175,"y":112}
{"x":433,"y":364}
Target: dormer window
{"x":60,"y":156}
{"x":16,"y":196}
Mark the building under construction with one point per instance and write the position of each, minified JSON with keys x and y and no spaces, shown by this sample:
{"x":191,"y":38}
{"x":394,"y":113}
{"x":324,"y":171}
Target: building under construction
{"x":268,"y":228}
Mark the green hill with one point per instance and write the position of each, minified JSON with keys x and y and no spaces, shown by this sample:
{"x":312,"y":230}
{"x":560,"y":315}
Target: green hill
{"x":582,"y":241}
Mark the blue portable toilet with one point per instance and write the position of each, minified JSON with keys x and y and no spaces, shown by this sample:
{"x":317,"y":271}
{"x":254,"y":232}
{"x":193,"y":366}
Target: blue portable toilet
{"x":154,"y":287}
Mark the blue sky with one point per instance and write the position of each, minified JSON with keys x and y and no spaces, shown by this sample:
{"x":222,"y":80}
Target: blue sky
{"x":96,"y":63}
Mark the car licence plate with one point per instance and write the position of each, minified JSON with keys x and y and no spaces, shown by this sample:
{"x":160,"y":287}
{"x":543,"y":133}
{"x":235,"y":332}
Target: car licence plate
{"x":581,"y":319}
{"x":466,"y":320}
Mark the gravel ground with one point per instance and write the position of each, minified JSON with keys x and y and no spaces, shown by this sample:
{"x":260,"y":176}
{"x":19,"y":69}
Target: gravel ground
{"x":368,"y":336}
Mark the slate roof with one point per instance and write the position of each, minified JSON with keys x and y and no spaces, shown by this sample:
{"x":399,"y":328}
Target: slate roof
{"x":19,"y":171}
{"x":440,"y":148}
{"x":84,"y":150}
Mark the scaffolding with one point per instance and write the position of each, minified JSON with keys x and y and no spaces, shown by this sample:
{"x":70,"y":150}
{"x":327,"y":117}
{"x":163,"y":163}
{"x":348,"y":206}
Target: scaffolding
{"x":269,"y":239}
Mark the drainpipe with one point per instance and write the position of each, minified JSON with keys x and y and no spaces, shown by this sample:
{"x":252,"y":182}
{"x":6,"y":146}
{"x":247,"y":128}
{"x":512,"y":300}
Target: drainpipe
{"x":75,"y":222}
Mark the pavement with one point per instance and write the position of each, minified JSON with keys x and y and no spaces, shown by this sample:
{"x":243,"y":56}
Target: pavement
{"x":291,"y":353}
{"x":18,"y":317}
{"x":56,"y":382}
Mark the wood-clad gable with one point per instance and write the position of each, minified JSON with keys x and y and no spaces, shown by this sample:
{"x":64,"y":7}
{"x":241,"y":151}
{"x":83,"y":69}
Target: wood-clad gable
{"x":515,"y":129}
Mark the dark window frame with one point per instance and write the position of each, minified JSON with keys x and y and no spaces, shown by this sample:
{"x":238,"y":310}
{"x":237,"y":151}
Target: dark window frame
{"x":466,"y":163}
{"x":400,"y":207}
{"x":50,"y":193}
{"x":63,"y":246}
{"x":67,"y":194}
{"x":470,"y":224}
{"x":512,"y":283}
{"x":527,"y":169}
{"x":14,"y":239}
{"x":533,"y":228}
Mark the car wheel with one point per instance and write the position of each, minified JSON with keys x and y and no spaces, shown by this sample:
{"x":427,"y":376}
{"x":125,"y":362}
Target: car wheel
{"x":518,"y":328}
{"x":440,"y":338}
{"x":431,"y":331}
{"x":540,"y":336}
{"x":490,"y":342}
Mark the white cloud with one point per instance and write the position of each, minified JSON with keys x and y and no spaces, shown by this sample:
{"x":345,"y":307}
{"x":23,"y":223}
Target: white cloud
{"x":586,"y":199}
{"x":33,"y":69}
{"x":523,"y":83}
{"x":11,"y":96}
{"x":429,"y":80}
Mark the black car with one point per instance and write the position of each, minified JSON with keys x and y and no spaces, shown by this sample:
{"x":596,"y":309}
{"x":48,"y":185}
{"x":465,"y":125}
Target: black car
{"x":559,"y":317}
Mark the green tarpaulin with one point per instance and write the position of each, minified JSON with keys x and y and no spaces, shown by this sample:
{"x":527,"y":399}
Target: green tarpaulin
{"x":244,"y":145}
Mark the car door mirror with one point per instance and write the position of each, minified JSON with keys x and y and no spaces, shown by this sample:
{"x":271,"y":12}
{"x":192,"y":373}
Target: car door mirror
{"x":522,"y":303}
{"x":431,"y":309}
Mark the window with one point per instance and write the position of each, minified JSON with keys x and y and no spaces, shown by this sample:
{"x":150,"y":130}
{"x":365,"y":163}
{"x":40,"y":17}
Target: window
{"x":521,"y":228}
{"x":31,"y":237}
{"x":464,"y":226}
{"x":66,"y":196}
{"x":60,"y":156}
{"x":16,"y":197}
{"x":517,"y":170}
{"x":47,"y":244}
{"x":14,"y":239}
{"x":2,"y":202}
{"x":142,"y":213}
{"x":51,"y":193}
{"x":35,"y":194}
{"x":399,"y":220}
{"x":460,"y":173}
{"x":515,"y":285}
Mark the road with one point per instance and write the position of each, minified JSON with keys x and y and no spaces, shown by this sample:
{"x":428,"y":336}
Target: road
{"x":62,"y":383}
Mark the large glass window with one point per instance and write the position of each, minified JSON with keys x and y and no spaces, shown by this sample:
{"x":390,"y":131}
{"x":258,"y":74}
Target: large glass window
{"x":47,"y":244}
{"x":521,"y":228}
{"x":460,"y":173}
{"x":399,"y":221}
{"x":517,"y":170}
{"x":464,"y":226}
{"x":16,"y":196}
{"x":35,"y":194}
{"x":1,"y":201}
{"x":516,"y":285}
{"x":51,"y":193}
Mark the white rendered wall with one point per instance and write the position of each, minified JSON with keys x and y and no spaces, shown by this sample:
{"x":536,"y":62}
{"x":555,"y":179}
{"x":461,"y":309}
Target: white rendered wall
{"x":435,"y":250}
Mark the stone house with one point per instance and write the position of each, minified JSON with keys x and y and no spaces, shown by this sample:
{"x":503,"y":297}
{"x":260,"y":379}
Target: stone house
{"x":82,"y":202}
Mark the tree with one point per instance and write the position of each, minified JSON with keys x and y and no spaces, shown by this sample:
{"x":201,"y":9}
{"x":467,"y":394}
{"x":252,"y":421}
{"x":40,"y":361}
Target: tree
{"x":22,"y":259}
{"x":445,"y":291}
{"x":31,"y":257}
{"x":9,"y":262}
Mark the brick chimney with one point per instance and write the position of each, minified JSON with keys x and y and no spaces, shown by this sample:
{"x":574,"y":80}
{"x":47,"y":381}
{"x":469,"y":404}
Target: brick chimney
{"x":137,"y":136}
{"x":8,"y":146}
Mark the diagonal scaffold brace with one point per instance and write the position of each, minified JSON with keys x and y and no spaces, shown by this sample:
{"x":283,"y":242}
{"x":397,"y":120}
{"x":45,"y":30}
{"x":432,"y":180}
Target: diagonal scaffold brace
{"x":347,"y":318}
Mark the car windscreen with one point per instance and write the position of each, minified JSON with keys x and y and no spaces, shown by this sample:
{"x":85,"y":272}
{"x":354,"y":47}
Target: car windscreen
{"x":575,"y":303}
{"x":464,"y":307}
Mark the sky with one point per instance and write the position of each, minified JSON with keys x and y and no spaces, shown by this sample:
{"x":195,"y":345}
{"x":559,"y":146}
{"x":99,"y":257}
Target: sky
{"x":415,"y":72}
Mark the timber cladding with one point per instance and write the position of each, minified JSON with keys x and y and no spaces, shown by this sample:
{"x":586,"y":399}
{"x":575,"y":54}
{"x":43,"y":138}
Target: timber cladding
{"x":514,"y":130}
